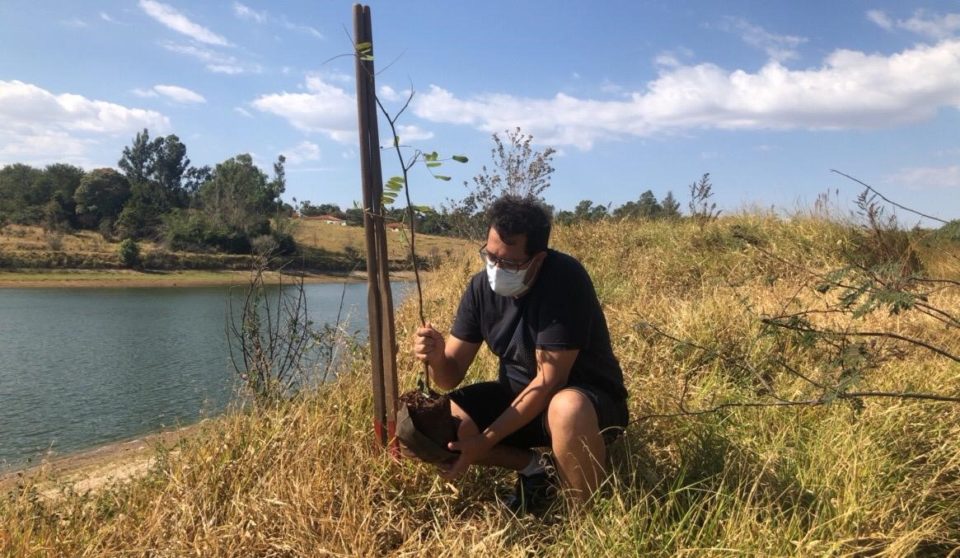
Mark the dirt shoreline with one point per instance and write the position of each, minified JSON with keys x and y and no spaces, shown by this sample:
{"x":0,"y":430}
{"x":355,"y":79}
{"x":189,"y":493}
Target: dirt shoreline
{"x":95,"y":467}
{"x":191,"y":278}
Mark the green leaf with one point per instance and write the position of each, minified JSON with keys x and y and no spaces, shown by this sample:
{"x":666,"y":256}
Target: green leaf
{"x":460,"y":158}
{"x":433,"y":164}
{"x":364,"y":47}
{"x":366,"y":58}
{"x":396,"y":141}
{"x":430,"y":156}
{"x":423,"y":208}
{"x":441,"y":177}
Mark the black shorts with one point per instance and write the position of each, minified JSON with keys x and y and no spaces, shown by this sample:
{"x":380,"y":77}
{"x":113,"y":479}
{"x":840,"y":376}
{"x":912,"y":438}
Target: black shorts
{"x":485,"y":401}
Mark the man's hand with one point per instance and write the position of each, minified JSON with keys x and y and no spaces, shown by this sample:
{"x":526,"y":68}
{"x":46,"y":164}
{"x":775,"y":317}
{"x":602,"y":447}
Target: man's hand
{"x":429,"y":345}
{"x":471,"y":450}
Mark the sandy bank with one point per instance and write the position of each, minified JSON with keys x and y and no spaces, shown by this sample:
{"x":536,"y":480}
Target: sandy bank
{"x":96,"y":467}
{"x":127,"y":278}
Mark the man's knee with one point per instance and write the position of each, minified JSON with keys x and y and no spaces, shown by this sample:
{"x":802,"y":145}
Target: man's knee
{"x":466,"y":427}
{"x":571,"y":413}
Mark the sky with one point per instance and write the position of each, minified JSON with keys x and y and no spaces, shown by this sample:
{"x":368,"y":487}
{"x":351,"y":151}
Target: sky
{"x":767,"y":96}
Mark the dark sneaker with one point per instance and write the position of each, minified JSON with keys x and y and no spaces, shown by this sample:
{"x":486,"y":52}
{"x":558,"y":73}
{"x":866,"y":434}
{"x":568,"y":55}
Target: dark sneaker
{"x":531,"y":494}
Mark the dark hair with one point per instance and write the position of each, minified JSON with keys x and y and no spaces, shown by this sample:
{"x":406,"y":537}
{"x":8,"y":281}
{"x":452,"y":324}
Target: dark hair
{"x":512,"y":215}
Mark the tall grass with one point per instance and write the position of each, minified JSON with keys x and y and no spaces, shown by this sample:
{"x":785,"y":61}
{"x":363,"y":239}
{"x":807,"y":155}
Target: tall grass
{"x":303,"y":479}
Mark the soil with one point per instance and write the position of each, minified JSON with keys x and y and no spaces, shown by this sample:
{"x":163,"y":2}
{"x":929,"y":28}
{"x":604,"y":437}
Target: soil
{"x":431,"y":415}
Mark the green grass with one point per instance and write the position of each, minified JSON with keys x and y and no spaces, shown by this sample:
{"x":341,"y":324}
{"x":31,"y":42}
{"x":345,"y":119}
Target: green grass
{"x":303,"y":479}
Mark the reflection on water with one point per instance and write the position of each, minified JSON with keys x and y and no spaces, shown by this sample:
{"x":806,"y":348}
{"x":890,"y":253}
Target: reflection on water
{"x":82,"y":367}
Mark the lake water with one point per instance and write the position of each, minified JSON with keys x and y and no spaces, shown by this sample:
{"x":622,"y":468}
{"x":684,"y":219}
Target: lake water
{"x":83,"y":367}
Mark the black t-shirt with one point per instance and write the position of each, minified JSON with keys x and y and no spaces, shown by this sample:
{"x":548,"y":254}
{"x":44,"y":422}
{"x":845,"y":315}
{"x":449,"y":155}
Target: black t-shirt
{"x":560,"y":311}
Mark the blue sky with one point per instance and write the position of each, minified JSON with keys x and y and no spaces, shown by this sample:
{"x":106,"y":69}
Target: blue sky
{"x":767,"y":96}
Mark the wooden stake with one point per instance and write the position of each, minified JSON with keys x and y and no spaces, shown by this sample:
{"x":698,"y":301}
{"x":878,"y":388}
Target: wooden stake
{"x":379,"y":296}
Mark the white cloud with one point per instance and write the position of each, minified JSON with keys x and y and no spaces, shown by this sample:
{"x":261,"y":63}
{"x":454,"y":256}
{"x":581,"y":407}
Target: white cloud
{"x":75,"y":22}
{"x":324,"y":108}
{"x":145,"y":93}
{"x":388,"y":93}
{"x":243,"y":111}
{"x":302,"y":152}
{"x":922,"y":22}
{"x":170,"y":17}
{"x":672,"y":58}
{"x":928,"y":178}
{"x":340,"y":77}
{"x":245,"y":12}
{"x":849,"y":90}
{"x":173,"y":92}
{"x":39,"y":127}
{"x":881,"y":19}
{"x":215,"y":62}
{"x":612,"y":88}
{"x":313,"y":32}
{"x":106,"y":17}
{"x":408,"y":133}
{"x":179,"y":94}
{"x":779,"y":48}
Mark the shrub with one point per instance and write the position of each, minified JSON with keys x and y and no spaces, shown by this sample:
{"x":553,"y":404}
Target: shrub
{"x":129,"y":253}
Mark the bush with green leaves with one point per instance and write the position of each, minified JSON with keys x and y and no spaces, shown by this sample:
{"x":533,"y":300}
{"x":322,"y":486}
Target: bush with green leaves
{"x":129,"y":253}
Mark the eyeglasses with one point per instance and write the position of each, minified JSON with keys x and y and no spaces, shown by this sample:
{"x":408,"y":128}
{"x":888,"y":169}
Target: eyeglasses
{"x":502,"y":263}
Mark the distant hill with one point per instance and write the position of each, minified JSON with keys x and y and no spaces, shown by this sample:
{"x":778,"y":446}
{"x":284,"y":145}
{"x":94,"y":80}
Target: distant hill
{"x":321,"y":246}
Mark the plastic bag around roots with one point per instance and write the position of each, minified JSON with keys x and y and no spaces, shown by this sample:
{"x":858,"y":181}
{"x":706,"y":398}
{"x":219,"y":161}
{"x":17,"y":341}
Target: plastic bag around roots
{"x":425,"y":426}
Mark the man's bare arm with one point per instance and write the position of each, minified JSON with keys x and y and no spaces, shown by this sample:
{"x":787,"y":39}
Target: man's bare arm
{"x":553,"y":371}
{"x":447,"y":360}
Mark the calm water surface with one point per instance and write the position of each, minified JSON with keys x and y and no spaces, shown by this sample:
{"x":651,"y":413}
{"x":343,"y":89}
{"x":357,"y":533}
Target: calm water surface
{"x":82,"y":367}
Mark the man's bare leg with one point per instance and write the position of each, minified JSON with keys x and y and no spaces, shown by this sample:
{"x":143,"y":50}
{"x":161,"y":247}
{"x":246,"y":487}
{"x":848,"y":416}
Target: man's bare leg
{"x":500,"y":455}
{"x":578,"y":447}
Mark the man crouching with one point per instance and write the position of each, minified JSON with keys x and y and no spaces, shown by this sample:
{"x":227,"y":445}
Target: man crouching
{"x":559,"y":383}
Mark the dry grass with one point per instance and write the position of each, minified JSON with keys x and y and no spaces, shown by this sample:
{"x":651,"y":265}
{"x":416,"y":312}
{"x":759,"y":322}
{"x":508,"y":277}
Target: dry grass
{"x":340,"y":239}
{"x":328,"y":247}
{"x":304,"y":480}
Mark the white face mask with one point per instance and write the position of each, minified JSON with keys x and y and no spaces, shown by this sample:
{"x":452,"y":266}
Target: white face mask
{"x":505,"y":282}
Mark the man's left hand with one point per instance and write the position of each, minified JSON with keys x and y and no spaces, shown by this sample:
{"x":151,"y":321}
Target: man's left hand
{"x":471,"y":450}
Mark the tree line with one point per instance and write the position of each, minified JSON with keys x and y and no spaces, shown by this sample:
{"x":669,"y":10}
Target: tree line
{"x":235,"y":207}
{"x":447,"y":221}
{"x":157,"y":195}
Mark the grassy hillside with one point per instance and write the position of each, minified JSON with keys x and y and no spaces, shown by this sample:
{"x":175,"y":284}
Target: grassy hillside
{"x":325,"y":247}
{"x":877,"y":476}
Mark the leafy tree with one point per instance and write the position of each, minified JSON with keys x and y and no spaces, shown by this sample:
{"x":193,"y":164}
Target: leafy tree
{"x":670,"y":207}
{"x":170,"y":165}
{"x":143,"y":212}
{"x":564,"y":217}
{"x":278,"y":185}
{"x":139,"y":159}
{"x":194,"y":178}
{"x":155,"y":169}
{"x":19,"y":201}
{"x":647,"y":206}
{"x":586,"y":211}
{"x":63,"y":181}
{"x":309,"y":210}
{"x":582,"y":210}
{"x":101,"y":195}
{"x":354,"y":216}
{"x":237,"y":195}
{"x":518,"y":169}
